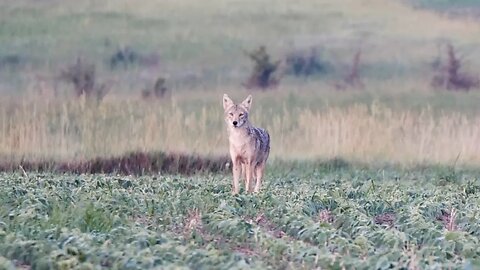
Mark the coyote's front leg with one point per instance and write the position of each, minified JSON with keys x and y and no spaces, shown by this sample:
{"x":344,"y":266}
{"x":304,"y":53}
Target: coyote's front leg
{"x":237,"y":169}
{"x":248,"y":176}
{"x":258,"y":175}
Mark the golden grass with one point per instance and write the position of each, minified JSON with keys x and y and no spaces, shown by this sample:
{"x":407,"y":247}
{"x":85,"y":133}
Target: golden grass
{"x":69,"y":129}
{"x":191,"y":36}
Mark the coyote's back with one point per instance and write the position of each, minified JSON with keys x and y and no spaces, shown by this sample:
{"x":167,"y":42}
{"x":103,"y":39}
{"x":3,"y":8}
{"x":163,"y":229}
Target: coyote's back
{"x":249,"y":145}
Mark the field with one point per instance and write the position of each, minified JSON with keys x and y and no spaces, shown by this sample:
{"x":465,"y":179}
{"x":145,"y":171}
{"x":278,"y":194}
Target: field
{"x":396,"y":118}
{"x":315,"y":218}
{"x":375,"y":160}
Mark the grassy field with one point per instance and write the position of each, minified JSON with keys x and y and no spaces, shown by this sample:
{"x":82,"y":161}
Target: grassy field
{"x":397,"y":117}
{"x":192,"y":41}
{"x":380,"y":177}
{"x":304,"y":219}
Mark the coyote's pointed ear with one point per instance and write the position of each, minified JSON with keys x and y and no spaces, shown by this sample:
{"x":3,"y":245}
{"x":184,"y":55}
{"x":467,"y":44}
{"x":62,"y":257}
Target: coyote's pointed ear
{"x":227,"y":102}
{"x":247,"y":103}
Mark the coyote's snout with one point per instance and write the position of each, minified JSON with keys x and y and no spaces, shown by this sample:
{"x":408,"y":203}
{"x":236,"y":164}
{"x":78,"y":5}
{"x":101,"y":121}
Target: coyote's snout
{"x":249,"y":145}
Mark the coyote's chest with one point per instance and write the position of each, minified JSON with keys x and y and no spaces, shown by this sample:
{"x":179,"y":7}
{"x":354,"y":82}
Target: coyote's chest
{"x":241,"y":144}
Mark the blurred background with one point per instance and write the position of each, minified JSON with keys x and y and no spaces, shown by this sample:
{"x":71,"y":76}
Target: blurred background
{"x":364,"y":80}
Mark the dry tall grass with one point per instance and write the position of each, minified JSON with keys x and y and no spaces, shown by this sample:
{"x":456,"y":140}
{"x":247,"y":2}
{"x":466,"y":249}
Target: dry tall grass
{"x":62,"y":129}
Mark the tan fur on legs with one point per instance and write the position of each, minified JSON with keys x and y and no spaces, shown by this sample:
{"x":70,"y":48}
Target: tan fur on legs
{"x":259,"y":170}
{"x":237,"y":170}
{"x":244,"y":173}
{"x":248,"y":177}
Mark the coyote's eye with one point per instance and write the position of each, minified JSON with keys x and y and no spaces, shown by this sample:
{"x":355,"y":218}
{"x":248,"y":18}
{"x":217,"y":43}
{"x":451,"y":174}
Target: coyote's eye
{"x":231,"y":114}
{"x":240,"y":115}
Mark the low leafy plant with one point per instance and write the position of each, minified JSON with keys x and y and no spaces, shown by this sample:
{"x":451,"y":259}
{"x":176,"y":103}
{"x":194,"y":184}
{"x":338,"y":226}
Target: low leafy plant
{"x":362,"y":219}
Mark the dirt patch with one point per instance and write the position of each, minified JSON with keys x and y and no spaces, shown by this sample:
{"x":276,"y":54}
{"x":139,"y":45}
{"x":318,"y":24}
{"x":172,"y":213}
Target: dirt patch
{"x":22,"y":266}
{"x":325,"y":216}
{"x":262,"y":221}
{"x":387,"y":219}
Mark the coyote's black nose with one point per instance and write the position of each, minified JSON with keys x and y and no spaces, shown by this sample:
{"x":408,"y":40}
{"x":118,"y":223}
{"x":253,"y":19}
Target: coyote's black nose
{"x":235,"y":123}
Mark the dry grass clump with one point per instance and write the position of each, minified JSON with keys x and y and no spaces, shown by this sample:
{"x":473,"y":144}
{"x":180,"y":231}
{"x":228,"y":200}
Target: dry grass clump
{"x":193,"y":221}
{"x":448,"y":218}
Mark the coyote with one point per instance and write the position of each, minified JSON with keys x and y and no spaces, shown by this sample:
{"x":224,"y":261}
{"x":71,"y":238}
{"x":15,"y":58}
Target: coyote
{"x":249,"y":145}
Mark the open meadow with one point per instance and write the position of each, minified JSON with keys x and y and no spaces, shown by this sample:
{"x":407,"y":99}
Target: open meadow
{"x":114,"y":151}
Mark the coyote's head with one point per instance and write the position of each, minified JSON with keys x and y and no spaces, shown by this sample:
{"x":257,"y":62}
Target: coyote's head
{"x":236,"y":115}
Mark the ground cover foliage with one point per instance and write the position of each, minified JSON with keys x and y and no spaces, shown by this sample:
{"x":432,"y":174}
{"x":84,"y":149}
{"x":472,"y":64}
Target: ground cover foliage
{"x":306,"y":217}
{"x":154,"y":68}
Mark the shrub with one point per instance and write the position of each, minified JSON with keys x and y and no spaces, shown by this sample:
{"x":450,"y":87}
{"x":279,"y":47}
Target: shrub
{"x":159,"y":89}
{"x":450,"y":77}
{"x":305,"y":63}
{"x":11,"y":61}
{"x":352,"y":79}
{"x":124,"y":57}
{"x":83,"y":77}
{"x":262,"y":76}
{"x":127,"y":57}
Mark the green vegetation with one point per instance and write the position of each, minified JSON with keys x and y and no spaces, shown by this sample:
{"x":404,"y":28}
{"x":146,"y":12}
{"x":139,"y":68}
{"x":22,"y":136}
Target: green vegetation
{"x":329,"y":218}
{"x":158,"y":70}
